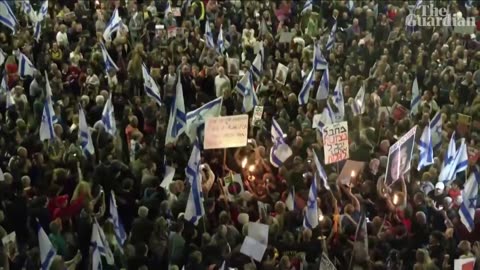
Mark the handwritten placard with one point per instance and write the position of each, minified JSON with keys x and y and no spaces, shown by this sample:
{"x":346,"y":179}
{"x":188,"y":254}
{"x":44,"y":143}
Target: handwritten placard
{"x":335,"y":142}
{"x":226,"y":132}
{"x":257,"y":115}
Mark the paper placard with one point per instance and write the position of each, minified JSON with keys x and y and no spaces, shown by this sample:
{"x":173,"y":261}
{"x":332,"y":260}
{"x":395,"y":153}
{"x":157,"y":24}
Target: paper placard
{"x":258,"y":231}
{"x":253,"y":249}
{"x":400,"y":156}
{"x":464,"y":264}
{"x":286,"y":37}
{"x":226,"y":132}
{"x":257,"y":115}
{"x":168,"y":178}
{"x":335,"y":142}
{"x":281,"y":73}
{"x":172,"y":32}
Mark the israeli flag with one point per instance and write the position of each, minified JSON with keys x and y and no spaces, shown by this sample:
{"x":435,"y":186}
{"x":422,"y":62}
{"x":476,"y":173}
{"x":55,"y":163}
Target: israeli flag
{"x":194,"y":209}
{"x":460,"y":163}
{"x":177,"y":121}
{"x":326,"y":118}
{"x":304,"y":94}
{"x":308,"y":6}
{"x":358,"y":106}
{"x":319,"y":61}
{"x":109,"y":63}
{"x":150,"y":86}
{"x":112,"y":26}
{"x":321,"y":171}
{"x":37,"y":31}
{"x":100,"y":247}
{"x":280,"y":151}
{"x":42,"y":13}
{"x":310,"y":220}
{"x":290,"y":201}
{"x":108,"y":117}
{"x":29,"y":11}
{"x":48,"y":96}
{"x":47,"y":251}
{"x":3,"y":84}
{"x":322,"y":91}
{"x":245,"y":88}
{"x":469,"y":200}
{"x":416,"y":98}
{"x":331,"y":37}
{"x":86,"y":142}
{"x":10,"y":102}
{"x":7,"y":17}
{"x":208,"y":36}
{"x":257,"y":65}
{"x":25,"y":66}
{"x":220,"y":42}
{"x":198,"y":117}
{"x":436,"y":130}
{"x":426,"y":148}
{"x":118,"y":228}
{"x":448,"y":159}
{"x":46,"y":126}
{"x":338,"y":100}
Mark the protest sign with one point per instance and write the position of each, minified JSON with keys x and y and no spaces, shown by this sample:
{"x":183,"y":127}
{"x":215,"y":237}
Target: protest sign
{"x":463,"y":124}
{"x":256,"y":242}
{"x":257,"y":115}
{"x":233,"y":186}
{"x":399,"y":157}
{"x":281,"y":74}
{"x":464,"y":264}
{"x":335,"y":142}
{"x":226,"y":132}
{"x":399,"y":112}
{"x":350,"y":172}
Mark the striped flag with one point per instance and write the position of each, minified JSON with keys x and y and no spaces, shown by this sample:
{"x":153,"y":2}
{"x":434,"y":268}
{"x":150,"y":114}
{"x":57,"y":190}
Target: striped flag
{"x":338,"y":100}
{"x":29,"y":11}
{"x":112,"y":26}
{"x":322,"y":92}
{"x":118,"y":228}
{"x":150,"y":86}
{"x":460,"y":162}
{"x":25,"y":66}
{"x":257,"y":65}
{"x":436,"y":130}
{"x":178,"y":120}
{"x":47,"y":251}
{"x":308,"y":6}
{"x":448,"y":159}
{"x":358,"y":106}
{"x":197,"y":118}
{"x":280,"y":150}
{"x":245,"y":88}
{"x":331,"y":37}
{"x":416,"y":98}
{"x":321,"y":171}
{"x":426,"y":148}
{"x":109,"y":63}
{"x":469,"y":200}
{"x":84,"y":134}
{"x":42,"y":13}
{"x":108,"y":117}
{"x":7,"y":17}
{"x":208,"y":36}
{"x":319,"y":61}
{"x":220,"y":42}
{"x":304,"y":94}
{"x":310,"y":219}
{"x":100,"y":247}
{"x":194,"y":209}
{"x":290,"y":201}
{"x":46,"y":130}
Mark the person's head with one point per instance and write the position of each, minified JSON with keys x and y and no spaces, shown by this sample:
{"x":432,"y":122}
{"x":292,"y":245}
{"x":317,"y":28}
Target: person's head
{"x":99,"y":100}
{"x":55,"y":226}
{"x":464,"y":247}
{"x":143,"y":211}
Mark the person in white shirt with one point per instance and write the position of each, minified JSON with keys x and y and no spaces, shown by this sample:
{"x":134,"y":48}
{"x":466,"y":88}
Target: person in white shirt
{"x":92,"y":82}
{"x":222,"y":82}
{"x":62,"y":38}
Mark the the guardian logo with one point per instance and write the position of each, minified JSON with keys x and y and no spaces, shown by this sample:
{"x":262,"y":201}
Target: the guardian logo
{"x":429,"y":15}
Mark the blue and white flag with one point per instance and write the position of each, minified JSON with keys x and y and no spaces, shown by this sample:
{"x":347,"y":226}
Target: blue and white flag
{"x":246,"y":88}
{"x":197,"y":117}
{"x":257,"y":65}
{"x":418,"y":4}
{"x":194,"y":209}
{"x":280,"y":151}
{"x":290,"y":201}
{"x":109,"y":63}
{"x":48,"y":95}
{"x":325,"y":118}
{"x":108,"y":117}
{"x":436,"y":130}
{"x":150,"y":86}
{"x":469,"y":200}
{"x":322,"y":91}
{"x":321,"y":171}
{"x":25,"y":66}
{"x":426,"y":148}
{"x":168,"y":9}
{"x":100,"y":247}
{"x":112,"y":26}
{"x":460,"y":162}
{"x":47,"y":251}
{"x":310,"y":220}
{"x":220,"y":42}
{"x":46,"y":126}
{"x":448,"y":159}
{"x":37,"y":31}
{"x":7,"y":17}
{"x":209,"y":36}
{"x":304,"y":94}
{"x":308,"y":6}
{"x":42,"y":13}
{"x":178,"y":120}
{"x":319,"y":61}
{"x":416,"y":98}
{"x":358,"y":106}
{"x":29,"y":11}
{"x":338,"y":101}
{"x":86,"y":142}
{"x":118,"y":228}
{"x":331,"y":37}
{"x":10,"y":102}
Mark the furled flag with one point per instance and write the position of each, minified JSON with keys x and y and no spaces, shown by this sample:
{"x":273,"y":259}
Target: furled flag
{"x":304,"y":94}
{"x":325,"y":263}
{"x":319,"y":61}
{"x":290,"y":201}
{"x":246,"y":88}
{"x":436,"y":130}
{"x":46,"y":126}
{"x":197,"y":117}
{"x":100,"y":247}
{"x":25,"y":66}
{"x":322,"y":91}
{"x":308,"y":6}
{"x":416,"y":98}
{"x":460,"y":162}
{"x":310,"y":220}
{"x":112,"y":26}
{"x":118,"y":228}
{"x":48,"y":90}
{"x":109,"y":63}
{"x":469,"y":200}
{"x":280,"y":150}
{"x":358,"y":106}
{"x":29,"y":11}
{"x":150,"y":86}
{"x":220,"y":42}
{"x":86,"y":142}
{"x":208,"y":36}
{"x":331,"y":37}
{"x":178,"y":120}
{"x":257,"y":65}
{"x":426,"y":148}
{"x":321,"y":171}
{"x":47,"y":251}
{"x":194,"y":209}
{"x":108,"y":117}
{"x":448,"y":159}
{"x":338,"y":101}
{"x":7,"y":17}
{"x":9,"y":101}
{"x":325,"y":118}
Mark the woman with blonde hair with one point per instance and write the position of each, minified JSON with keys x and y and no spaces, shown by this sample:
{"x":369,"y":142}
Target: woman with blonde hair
{"x":424,"y":262}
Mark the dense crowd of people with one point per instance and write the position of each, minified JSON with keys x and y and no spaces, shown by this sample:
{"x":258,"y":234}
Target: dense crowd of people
{"x":69,"y":193}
